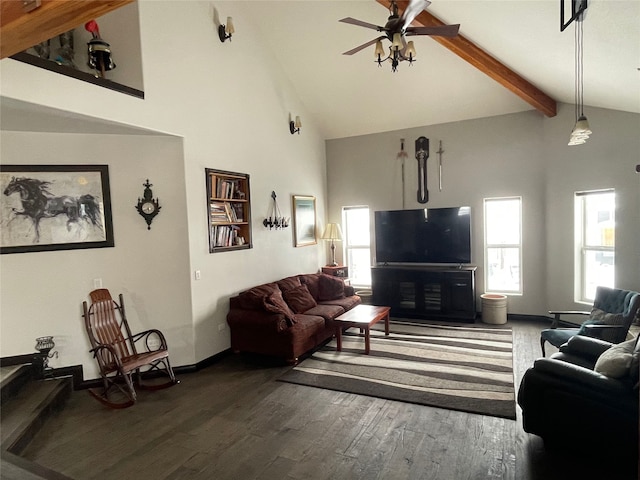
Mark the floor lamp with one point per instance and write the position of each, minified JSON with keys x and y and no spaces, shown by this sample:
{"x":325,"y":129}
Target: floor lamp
{"x":332,"y":232}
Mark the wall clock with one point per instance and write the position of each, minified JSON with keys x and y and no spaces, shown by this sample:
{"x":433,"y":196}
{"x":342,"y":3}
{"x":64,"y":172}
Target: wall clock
{"x":147,"y":206}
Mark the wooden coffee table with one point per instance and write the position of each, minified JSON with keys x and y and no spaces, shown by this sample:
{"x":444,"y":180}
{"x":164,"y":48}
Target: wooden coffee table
{"x":363,"y":317}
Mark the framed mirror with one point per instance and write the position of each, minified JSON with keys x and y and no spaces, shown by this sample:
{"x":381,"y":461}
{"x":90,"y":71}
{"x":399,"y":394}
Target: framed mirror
{"x":304,"y":220}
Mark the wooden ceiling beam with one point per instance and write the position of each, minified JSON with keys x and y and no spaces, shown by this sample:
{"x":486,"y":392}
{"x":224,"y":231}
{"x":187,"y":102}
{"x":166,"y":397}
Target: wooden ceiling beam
{"x":486,"y":63}
{"x":20,"y":30}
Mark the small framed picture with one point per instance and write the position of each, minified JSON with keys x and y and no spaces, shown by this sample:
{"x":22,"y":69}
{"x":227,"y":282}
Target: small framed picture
{"x":54,"y":207}
{"x":304,"y":220}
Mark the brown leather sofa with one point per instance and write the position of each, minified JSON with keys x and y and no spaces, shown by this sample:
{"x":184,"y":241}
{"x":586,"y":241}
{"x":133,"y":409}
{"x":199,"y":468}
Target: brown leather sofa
{"x":288,"y":317}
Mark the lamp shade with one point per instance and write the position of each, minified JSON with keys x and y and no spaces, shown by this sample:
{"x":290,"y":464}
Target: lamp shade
{"x":229,"y":28}
{"x":410,"y":50}
{"x":379,"y":51}
{"x":397,"y":42}
{"x":332,"y":232}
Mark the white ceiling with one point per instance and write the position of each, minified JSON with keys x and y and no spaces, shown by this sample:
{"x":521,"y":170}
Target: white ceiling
{"x":350,"y":95}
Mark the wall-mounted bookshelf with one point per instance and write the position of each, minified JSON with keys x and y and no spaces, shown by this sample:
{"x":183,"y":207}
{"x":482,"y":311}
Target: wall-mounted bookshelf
{"x":229,"y":210}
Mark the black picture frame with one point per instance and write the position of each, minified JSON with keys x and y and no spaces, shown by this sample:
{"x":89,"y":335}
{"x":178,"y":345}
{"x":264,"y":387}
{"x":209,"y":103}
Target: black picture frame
{"x":54,"y":207}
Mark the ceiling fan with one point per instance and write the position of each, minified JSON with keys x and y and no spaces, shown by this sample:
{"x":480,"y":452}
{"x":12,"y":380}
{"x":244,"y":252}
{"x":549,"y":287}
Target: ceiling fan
{"x":395,"y":30}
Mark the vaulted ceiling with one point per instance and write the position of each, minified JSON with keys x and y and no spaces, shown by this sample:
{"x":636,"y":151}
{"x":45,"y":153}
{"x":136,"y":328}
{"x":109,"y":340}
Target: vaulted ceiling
{"x":510,"y":57}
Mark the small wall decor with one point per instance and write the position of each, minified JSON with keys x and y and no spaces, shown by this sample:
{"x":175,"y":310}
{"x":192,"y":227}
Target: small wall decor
{"x":440,"y":152}
{"x":422,"y":154}
{"x":275,"y":218}
{"x":54,"y":207}
{"x":304,"y":220}
{"x":147,"y":206}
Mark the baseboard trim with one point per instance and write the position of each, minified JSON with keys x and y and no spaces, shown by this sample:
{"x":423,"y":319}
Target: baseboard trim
{"x":528,"y":318}
{"x":183,"y":369}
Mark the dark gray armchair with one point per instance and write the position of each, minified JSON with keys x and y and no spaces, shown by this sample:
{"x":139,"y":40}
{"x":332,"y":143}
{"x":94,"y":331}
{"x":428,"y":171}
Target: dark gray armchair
{"x":574,"y":408}
{"x":613,"y":312}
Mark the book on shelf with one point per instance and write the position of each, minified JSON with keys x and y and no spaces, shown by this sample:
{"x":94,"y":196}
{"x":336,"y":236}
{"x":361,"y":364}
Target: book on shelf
{"x":226,"y":188}
{"x":218,"y":212}
{"x":231,"y":214}
{"x":238,"y":211}
{"x":225,"y":235}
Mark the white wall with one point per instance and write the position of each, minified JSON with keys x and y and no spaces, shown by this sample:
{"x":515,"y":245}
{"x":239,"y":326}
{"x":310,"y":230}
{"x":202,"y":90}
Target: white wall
{"x":231,"y":105}
{"x":521,"y":154}
{"x":607,"y":160}
{"x":42,"y":292}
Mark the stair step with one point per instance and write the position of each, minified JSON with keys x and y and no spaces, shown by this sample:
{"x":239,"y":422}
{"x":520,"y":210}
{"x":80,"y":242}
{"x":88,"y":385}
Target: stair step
{"x":25,"y":411}
{"x":12,"y":379}
{"x":26,"y":404}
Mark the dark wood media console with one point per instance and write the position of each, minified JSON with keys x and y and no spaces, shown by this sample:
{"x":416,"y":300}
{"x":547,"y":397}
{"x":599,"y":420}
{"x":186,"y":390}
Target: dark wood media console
{"x":424,"y":292}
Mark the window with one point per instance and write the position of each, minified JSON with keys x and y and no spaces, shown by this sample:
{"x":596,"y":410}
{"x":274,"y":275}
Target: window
{"x":503,"y":244}
{"x":357,"y":243}
{"x":595,"y":242}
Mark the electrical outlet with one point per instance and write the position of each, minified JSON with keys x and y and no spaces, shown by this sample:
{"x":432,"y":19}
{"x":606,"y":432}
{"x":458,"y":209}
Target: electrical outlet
{"x":198,"y":275}
{"x":221,"y":327}
{"x":97,"y":283}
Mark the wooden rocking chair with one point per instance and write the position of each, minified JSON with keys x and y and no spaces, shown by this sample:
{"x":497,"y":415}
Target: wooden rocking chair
{"x":114,"y":348}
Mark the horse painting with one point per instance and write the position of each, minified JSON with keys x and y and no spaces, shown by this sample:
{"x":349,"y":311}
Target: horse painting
{"x":38,"y":203}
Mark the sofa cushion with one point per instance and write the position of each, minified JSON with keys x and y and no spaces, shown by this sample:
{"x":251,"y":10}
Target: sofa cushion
{"x":253,"y":299}
{"x":289,"y":283}
{"x":616,"y":361}
{"x":275,"y":303}
{"x":328,"y":312}
{"x":312,"y":281}
{"x":330,"y":287}
{"x":347,"y":302}
{"x":299,"y":299}
{"x":600,"y":317}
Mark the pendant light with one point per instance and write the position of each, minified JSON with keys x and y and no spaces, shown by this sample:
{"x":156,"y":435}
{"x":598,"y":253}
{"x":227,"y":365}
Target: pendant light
{"x":581,"y":129}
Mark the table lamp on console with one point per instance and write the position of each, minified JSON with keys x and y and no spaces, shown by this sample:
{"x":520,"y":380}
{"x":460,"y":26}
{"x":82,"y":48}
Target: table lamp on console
{"x":332,"y":232}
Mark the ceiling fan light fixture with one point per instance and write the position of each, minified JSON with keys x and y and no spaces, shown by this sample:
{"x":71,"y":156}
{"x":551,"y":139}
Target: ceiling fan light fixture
{"x":395,"y":30}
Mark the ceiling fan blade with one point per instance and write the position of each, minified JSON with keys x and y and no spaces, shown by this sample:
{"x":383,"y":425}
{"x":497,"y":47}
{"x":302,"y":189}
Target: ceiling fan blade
{"x":360,"y":23}
{"x":412,"y":11}
{"x":363,"y":46}
{"x":441,"y":31}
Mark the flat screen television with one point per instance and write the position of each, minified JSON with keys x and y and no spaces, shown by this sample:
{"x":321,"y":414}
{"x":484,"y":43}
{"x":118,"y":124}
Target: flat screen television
{"x":427,"y":235}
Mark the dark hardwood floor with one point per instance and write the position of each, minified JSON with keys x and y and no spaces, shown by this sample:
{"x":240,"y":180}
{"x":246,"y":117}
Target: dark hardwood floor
{"x":234,"y":420}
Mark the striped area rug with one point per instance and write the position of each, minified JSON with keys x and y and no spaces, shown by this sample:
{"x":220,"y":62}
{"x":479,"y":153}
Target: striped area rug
{"x":459,"y":368}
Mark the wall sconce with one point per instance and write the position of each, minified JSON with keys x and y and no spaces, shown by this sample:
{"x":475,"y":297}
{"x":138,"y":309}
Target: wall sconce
{"x":44,"y":345}
{"x":295,"y":126}
{"x":226,"y":31}
{"x":275,"y":218}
